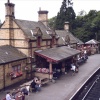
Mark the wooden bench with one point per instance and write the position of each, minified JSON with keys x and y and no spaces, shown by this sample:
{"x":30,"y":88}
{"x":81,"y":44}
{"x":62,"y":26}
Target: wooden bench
{"x":44,"y":80}
{"x":44,"y":77}
{"x":32,"y":89}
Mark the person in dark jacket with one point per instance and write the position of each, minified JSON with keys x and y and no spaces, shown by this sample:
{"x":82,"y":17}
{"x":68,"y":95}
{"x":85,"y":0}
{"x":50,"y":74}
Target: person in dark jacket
{"x":24,"y":90}
{"x":33,"y":84}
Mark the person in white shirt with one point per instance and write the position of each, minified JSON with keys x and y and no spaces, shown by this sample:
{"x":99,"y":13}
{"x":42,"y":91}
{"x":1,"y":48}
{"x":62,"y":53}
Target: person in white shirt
{"x":73,"y":68}
{"x":8,"y":96}
{"x":85,"y":52}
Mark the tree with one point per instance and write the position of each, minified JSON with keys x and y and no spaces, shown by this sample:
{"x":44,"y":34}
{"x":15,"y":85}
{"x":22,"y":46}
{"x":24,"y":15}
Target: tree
{"x":66,"y":14}
{"x":82,"y":13}
{"x":51,"y":22}
{"x":88,"y":26}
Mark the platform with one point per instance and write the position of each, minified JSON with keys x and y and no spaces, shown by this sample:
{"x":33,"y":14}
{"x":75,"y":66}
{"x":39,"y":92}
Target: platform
{"x":67,"y":85}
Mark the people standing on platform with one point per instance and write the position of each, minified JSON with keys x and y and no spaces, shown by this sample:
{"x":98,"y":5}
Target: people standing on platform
{"x":38,"y":84}
{"x":28,"y":88}
{"x":25,"y":91}
{"x":73,"y":68}
{"x":14,"y":94}
{"x":8,"y":96}
{"x":20,"y":96}
{"x":75,"y":63}
{"x":32,"y":86}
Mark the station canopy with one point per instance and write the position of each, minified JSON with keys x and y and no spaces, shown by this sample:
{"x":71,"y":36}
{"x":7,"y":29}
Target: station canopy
{"x":57,"y":54}
{"x":92,"y":41}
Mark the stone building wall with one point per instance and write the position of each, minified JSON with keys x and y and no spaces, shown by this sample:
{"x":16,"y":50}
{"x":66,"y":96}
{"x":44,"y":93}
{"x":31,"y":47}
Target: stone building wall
{"x":1,"y":77}
{"x":8,"y":69}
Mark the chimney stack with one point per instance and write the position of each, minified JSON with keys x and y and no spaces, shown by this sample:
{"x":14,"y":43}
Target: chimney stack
{"x":43,"y":16}
{"x":9,"y":7}
{"x":66,"y":26}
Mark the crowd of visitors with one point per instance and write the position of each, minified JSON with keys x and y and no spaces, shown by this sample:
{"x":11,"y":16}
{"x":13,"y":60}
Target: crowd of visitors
{"x":20,"y":94}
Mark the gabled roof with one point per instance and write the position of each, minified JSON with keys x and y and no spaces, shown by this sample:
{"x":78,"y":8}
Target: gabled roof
{"x":79,"y":41}
{"x":57,"y":54}
{"x":92,"y":41}
{"x":9,"y":54}
{"x":62,"y":37}
{"x":27,"y":26}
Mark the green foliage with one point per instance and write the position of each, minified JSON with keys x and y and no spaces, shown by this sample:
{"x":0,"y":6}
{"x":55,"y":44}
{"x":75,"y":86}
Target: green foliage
{"x":88,"y":26}
{"x":84,"y":26}
{"x":82,"y":13}
{"x":66,"y":14}
{"x":51,"y":22}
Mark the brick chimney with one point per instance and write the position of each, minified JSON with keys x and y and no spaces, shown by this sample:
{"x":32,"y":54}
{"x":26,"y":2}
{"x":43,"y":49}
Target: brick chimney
{"x":9,"y":7}
{"x":66,"y":26}
{"x":9,"y":17}
{"x":43,"y":16}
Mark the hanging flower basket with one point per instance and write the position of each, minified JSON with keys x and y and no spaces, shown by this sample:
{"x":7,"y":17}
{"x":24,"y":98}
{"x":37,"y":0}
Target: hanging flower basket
{"x":10,"y":74}
{"x":20,"y":73}
{"x":16,"y":75}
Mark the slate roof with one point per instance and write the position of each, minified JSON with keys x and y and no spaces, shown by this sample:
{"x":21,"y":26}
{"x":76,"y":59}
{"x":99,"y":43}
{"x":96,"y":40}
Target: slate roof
{"x":57,"y":54}
{"x":9,"y":54}
{"x":62,"y":34}
{"x":27,"y":26}
{"x":79,"y":41}
{"x":92,"y":41}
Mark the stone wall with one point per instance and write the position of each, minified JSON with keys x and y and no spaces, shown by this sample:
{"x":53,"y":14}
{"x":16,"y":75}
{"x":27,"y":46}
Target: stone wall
{"x":8,"y":69}
{"x":1,"y":77}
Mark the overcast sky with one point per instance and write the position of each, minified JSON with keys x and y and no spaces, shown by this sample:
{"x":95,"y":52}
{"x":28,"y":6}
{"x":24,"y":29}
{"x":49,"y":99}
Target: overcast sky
{"x":27,"y":9}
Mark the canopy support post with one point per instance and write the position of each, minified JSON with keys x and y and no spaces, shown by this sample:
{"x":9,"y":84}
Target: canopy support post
{"x":63,"y":67}
{"x":50,"y":69}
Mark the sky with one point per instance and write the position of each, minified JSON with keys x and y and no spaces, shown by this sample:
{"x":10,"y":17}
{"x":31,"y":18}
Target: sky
{"x":28,"y":9}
